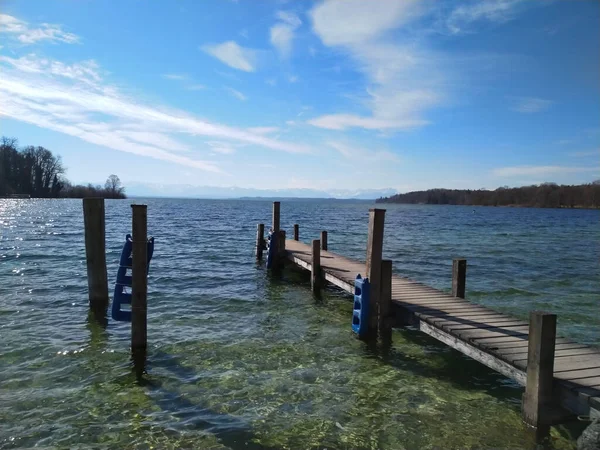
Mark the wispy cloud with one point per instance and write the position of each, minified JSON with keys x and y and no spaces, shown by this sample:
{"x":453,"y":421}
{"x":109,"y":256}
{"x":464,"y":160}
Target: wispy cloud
{"x":233,"y":55}
{"x":585,"y":154}
{"x":541,"y":170}
{"x":531,"y":105}
{"x":175,"y":76}
{"x":282,"y":33}
{"x":26,"y":34}
{"x":75,"y":100}
{"x":463,"y":16}
{"x":236,"y":94}
{"x":356,"y":153}
{"x":263,"y":130}
{"x":223,"y":148}
{"x":195,"y":87}
{"x":403,"y":80}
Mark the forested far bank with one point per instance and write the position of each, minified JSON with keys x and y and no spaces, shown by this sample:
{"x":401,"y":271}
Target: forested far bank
{"x":546,"y":195}
{"x":37,"y":172}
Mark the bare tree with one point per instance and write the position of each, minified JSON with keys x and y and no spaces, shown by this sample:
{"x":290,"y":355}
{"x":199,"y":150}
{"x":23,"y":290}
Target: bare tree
{"x":114,"y":187}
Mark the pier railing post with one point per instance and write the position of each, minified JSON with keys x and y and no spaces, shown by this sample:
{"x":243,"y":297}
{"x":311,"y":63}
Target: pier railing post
{"x":315,"y":275}
{"x":324,"y":240}
{"x":95,"y":253}
{"x":260,"y":240}
{"x":373,"y":266}
{"x":538,"y":397}
{"x":385,"y":301}
{"x":459,"y":277}
{"x":139,"y":287}
{"x":296,"y":232}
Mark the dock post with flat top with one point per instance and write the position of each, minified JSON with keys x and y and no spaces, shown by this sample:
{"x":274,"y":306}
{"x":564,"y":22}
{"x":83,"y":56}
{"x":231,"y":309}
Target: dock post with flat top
{"x":296,"y":232}
{"x":95,"y":253}
{"x":260,"y":240}
{"x":459,"y":277}
{"x":139,"y":288}
{"x":537,"y":400}
{"x":385,"y":301}
{"x":275,"y":226}
{"x":315,"y":275}
{"x":373,"y":265}
{"x":324,"y":240}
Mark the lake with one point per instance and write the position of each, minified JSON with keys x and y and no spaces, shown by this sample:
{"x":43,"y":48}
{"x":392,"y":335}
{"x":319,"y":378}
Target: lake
{"x":241,"y":359}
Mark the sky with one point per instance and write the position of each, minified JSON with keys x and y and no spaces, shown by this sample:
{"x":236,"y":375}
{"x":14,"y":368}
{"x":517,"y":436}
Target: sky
{"x":324,"y":95}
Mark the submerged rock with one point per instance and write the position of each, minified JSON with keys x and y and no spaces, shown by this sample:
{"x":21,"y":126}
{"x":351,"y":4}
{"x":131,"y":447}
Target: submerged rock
{"x":590,"y":438}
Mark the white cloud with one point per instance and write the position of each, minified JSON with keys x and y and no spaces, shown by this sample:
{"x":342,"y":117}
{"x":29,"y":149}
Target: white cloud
{"x":271,"y":81}
{"x":282,"y":33}
{"x":541,"y":170}
{"x":467,"y":13}
{"x":356,"y":153}
{"x":354,"y":22}
{"x":293,"y":78}
{"x":584,"y":154}
{"x":75,"y":100}
{"x":344,"y":121}
{"x":237,"y":94}
{"x":30,"y":35}
{"x":195,"y":87}
{"x":175,"y":76}
{"x":233,"y":55}
{"x":532,"y":105}
{"x":403,"y":80}
{"x":263,"y":130}
{"x":223,"y":148}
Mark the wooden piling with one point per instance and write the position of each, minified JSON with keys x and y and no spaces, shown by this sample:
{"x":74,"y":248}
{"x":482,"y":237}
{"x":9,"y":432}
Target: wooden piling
{"x":459,"y":277}
{"x":276,"y":215}
{"x":260,"y":240}
{"x":373,"y":265}
{"x":315,"y":275}
{"x":139,"y":288}
{"x":385,"y":301}
{"x":537,"y":400}
{"x":296,"y":232}
{"x":281,"y":247}
{"x":324,"y":240}
{"x":95,"y":253}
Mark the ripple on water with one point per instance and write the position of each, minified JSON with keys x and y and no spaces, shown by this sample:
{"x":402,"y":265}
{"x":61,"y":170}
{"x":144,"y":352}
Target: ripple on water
{"x":240,"y":359}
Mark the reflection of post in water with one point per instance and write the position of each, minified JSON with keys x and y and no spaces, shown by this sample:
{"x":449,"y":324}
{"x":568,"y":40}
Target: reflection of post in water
{"x":139,"y":288}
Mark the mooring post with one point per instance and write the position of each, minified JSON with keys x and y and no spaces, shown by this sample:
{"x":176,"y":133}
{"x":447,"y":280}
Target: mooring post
{"x":95,"y":253}
{"x":260,"y":240}
{"x":281,"y":247}
{"x":373,"y":266}
{"x":275,"y":235}
{"x":324,"y":240}
{"x":296,"y":232}
{"x":385,"y":301}
{"x":315,"y":275}
{"x":459,"y":277}
{"x":139,"y":287}
{"x":537,"y":399}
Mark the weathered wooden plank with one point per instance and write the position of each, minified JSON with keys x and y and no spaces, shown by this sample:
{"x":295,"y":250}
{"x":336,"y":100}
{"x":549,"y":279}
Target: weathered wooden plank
{"x":578,"y":374}
{"x":475,"y":353}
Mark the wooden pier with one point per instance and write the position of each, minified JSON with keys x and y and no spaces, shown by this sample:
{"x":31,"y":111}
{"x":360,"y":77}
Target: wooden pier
{"x":561,"y":377}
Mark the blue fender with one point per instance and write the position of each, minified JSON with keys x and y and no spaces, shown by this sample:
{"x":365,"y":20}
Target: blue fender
{"x":121,"y":297}
{"x":360,"y":310}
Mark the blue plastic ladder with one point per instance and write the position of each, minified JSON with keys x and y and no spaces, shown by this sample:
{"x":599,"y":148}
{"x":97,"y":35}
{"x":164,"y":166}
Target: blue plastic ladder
{"x":360,"y":311}
{"x":123,"y":280}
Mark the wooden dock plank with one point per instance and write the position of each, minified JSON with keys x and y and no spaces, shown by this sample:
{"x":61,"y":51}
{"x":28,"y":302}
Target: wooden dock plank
{"x":492,"y":338}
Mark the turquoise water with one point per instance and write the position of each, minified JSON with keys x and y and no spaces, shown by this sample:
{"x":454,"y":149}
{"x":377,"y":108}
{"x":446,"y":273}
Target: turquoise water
{"x":239,"y":359}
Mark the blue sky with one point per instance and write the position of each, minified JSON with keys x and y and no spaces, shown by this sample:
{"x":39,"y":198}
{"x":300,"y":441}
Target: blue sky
{"x":326,"y":95}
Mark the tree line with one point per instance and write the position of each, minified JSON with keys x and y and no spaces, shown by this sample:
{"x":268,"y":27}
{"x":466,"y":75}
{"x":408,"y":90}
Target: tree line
{"x":546,"y":195}
{"x":35,"y":171}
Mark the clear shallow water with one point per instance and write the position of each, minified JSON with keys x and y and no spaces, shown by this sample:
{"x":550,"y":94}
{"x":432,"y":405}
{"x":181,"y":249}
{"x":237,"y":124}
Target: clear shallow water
{"x":238,"y":359}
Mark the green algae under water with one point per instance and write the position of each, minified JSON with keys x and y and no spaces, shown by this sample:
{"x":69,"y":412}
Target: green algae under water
{"x":241,"y":359}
